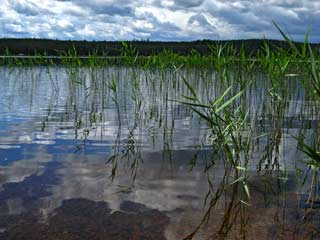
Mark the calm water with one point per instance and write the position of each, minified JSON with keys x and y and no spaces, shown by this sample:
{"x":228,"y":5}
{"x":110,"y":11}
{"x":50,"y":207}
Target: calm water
{"x":81,"y":161}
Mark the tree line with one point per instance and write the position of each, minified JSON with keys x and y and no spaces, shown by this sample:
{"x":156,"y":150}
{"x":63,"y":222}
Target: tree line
{"x":115,"y":48}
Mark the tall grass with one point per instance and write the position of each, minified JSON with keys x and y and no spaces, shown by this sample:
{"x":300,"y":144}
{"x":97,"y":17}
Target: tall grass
{"x":242,"y":99}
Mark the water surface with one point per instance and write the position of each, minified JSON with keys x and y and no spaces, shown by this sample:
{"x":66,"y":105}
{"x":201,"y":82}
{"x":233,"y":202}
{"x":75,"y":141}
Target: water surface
{"x":80,"y":159}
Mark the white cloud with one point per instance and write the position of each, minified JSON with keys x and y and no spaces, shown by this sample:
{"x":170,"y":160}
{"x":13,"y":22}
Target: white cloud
{"x":158,"y":19}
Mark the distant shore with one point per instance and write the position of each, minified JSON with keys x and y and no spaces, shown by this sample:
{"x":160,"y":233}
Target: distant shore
{"x":31,"y":47}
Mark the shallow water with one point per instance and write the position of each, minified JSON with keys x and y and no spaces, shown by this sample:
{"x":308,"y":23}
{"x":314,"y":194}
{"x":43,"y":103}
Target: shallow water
{"x":80,"y":161}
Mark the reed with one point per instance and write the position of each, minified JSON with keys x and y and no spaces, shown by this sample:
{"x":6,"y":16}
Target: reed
{"x":241,"y":101}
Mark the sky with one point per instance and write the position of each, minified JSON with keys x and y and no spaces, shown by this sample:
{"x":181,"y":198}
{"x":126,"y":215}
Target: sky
{"x":164,"y":20}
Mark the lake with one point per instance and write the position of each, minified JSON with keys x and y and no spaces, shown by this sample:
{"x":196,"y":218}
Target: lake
{"x":118,"y":153}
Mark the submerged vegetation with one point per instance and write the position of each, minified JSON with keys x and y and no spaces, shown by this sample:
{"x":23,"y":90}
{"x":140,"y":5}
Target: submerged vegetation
{"x":252,"y":107}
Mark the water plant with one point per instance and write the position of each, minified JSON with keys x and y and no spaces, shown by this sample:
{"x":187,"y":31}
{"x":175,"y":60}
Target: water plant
{"x":244,"y":105}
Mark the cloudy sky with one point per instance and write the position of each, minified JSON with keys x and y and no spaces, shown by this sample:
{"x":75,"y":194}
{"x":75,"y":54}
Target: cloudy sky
{"x":158,"y":19}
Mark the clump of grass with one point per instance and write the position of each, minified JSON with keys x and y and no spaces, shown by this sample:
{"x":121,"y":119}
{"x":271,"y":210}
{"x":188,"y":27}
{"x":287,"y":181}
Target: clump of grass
{"x":217,"y":87}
